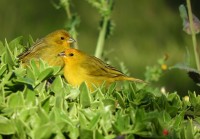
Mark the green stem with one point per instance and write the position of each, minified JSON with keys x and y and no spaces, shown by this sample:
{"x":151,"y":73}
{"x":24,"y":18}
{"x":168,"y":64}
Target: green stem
{"x":68,"y":12}
{"x":101,"y":39}
{"x":69,"y":15}
{"x":194,"y":41}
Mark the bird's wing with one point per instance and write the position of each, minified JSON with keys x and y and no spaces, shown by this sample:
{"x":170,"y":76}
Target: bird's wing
{"x":98,"y":68}
{"x":38,"y":45}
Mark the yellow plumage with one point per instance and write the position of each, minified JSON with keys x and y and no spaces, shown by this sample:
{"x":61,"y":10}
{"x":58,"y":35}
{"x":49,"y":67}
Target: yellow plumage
{"x":48,"y":48}
{"x":80,"y":67}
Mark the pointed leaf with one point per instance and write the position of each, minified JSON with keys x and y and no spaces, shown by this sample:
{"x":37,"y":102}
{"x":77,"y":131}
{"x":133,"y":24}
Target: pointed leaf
{"x":120,"y":100}
{"x":14,"y":43}
{"x":34,"y":67}
{"x":45,"y":104}
{"x":29,"y":97}
{"x":6,"y":126}
{"x":94,"y":121}
{"x":57,"y":84}
{"x":45,"y":74}
{"x":16,"y":100}
{"x":9,"y":57}
{"x":31,"y":41}
{"x":86,"y":134}
{"x":2,"y":69}
{"x":85,"y":99}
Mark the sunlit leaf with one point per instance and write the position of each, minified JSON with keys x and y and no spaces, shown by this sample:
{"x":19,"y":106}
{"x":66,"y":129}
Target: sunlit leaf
{"x":15,"y":43}
{"x":86,"y":134}
{"x":9,"y":57}
{"x":85,"y":99}
{"x":57,"y":84}
{"x":2,"y":69}
{"x":94,"y":121}
{"x":6,"y":126}
{"x":45,"y":74}
{"x":16,"y":100}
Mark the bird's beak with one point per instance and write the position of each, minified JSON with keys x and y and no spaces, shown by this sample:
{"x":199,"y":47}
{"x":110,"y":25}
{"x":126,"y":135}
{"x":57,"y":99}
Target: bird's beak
{"x":62,"y":53}
{"x":71,"y":40}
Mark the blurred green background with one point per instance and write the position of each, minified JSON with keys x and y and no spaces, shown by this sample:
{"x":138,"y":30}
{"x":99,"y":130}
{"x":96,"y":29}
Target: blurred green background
{"x":144,"y":32}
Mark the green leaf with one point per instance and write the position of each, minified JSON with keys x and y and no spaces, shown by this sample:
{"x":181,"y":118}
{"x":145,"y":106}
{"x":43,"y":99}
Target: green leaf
{"x":74,"y":93}
{"x":110,"y":104}
{"x":120,"y":100}
{"x":30,"y":75}
{"x":178,"y":120}
{"x":20,"y":72}
{"x":6,"y":126}
{"x":6,"y":78}
{"x":9,"y":57}
{"x":29,"y":97}
{"x":88,"y":113}
{"x":73,"y":132}
{"x":45,"y":74}
{"x":57,"y":70}
{"x":25,"y":80}
{"x":16,"y":100}
{"x":45,"y":131}
{"x":2,"y":69}
{"x":31,"y":41}
{"x":59,"y":102}
{"x":192,"y":73}
{"x":111,"y":88}
{"x":139,"y":125}
{"x":14,"y":43}
{"x":43,"y":115}
{"x":34,"y":67}
{"x":85,"y":99}
{"x":99,"y":135}
{"x":193,"y":99}
{"x":73,"y":110}
{"x":189,"y":130}
{"x":42,"y":65}
{"x":45,"y":104}
{"x":86,"y":134}
{"x":83,"y":120}
{"x":94,"y":121}
{"x":22,"y":128}
{"x":41,"y":89}
{"x":57,"y":84}
{"x":184,"y":67}
{"x":183,"y":12}
{"x":122,"y":123}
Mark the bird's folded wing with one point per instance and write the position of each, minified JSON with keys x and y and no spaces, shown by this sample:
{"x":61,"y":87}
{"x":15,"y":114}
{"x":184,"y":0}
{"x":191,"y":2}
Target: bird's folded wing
{"x":98,"y":68}
{"x":38,"y":45}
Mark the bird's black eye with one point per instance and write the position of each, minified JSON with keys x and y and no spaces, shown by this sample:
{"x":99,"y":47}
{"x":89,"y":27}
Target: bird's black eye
{"x":62,"y":38}
{"x":71,"y":54}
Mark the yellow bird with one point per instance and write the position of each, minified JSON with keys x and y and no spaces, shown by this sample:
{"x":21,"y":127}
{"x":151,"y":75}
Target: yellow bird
{"x":48,"y":48}
{"x":80,"y":67}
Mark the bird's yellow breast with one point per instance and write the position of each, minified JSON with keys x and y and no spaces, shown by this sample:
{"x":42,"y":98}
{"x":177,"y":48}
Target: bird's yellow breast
{"x":74,"y":74}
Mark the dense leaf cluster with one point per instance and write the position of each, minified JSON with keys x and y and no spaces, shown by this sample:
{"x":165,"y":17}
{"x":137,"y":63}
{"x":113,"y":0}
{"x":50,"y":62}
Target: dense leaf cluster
{"x":36,"y":102}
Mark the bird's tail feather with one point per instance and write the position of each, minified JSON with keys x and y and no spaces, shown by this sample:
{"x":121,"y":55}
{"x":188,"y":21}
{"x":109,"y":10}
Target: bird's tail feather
{"x":134,"y":80}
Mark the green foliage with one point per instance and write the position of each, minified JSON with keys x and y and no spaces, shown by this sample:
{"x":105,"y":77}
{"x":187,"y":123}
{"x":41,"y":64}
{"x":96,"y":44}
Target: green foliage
{"x":153,"y":73}
{"x":36,"y":102}
{"x":105,"y":8}
{"x":191,"y":25}
{"x":33,"y":106}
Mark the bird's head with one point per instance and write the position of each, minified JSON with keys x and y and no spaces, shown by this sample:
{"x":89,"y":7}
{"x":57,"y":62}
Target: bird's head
{"x":60,"y":38}
{"x":72,"y":55}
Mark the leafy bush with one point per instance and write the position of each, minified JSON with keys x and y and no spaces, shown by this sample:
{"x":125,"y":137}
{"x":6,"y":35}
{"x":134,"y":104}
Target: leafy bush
{"x":34,"y":105}
{"x":36,"y":102}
